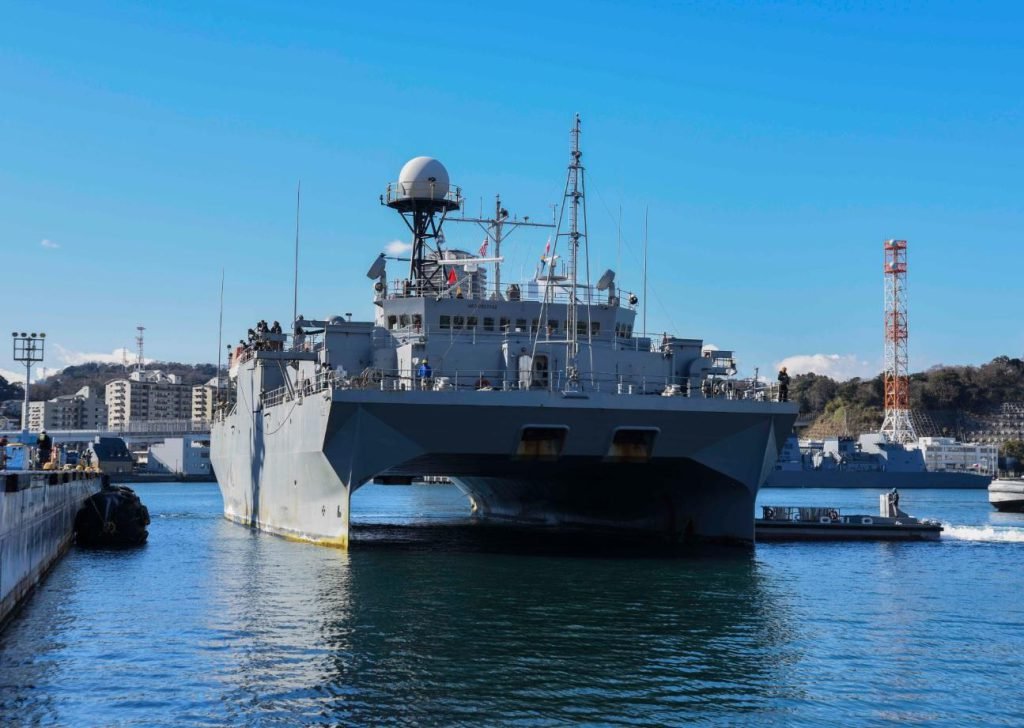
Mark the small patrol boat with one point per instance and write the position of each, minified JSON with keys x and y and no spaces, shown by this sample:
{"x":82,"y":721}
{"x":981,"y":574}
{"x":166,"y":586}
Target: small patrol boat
{"x":805,"y":523}
{"x":1007,"y":494}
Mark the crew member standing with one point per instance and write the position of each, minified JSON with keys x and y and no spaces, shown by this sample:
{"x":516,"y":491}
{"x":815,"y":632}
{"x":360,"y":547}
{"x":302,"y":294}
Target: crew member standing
{"x":425,"y":373}
{"x":45,"y":445}
{"x":783,"y":385}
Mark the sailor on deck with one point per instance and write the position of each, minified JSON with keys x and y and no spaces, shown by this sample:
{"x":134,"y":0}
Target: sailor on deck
{"x":783,"y":385}
{"x":425,"y":373}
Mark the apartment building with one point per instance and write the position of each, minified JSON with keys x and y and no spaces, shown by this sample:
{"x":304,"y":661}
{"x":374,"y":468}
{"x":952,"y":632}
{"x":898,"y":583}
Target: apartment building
{"x":147,"y":396}
{"x":83,"y":410}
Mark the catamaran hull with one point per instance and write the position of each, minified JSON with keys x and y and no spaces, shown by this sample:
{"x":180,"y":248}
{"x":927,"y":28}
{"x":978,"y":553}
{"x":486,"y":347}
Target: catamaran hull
{"x":290,"y":469}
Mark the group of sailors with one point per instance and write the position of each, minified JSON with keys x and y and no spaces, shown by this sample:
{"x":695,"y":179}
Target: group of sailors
{"x":258,"y":339}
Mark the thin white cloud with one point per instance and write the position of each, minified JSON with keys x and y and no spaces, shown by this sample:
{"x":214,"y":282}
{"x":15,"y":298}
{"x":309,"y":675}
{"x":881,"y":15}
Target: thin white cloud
{"x":47,"y":243}
{"x":117,"y":356}
{"x":12,"y":377}
{"x":397,"y":247}
{"x":837,"y":366}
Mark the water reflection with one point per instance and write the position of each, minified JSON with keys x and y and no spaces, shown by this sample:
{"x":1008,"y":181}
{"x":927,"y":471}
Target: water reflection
{"x":411,"y":628}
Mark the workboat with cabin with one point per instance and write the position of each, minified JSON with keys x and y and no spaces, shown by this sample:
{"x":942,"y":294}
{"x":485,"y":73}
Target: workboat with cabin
{"x":540,"y":401}
{"x":803,"y":523}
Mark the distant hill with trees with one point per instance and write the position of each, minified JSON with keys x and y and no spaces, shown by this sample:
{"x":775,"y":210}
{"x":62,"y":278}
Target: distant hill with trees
{"x":9,"y":390}
{"x":96,"y":375}
{"x":942,"y":392}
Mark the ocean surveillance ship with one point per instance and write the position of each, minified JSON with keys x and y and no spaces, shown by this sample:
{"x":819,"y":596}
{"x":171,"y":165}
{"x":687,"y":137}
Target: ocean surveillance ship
{"x":873,"y":461}
{"x":540,"y":401}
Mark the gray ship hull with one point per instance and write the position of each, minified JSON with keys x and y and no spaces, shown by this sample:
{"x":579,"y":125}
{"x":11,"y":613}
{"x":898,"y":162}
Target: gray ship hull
{"x":291,"y":468}
{"x":874,"y":479}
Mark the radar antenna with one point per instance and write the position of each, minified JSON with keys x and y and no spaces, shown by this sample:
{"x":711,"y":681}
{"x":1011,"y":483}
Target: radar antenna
{"x":423,"y":198}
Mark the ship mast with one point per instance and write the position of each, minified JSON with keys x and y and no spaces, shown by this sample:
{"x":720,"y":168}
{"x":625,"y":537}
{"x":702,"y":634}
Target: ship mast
{"x":575,"y":196}
{"x":497,"y":229}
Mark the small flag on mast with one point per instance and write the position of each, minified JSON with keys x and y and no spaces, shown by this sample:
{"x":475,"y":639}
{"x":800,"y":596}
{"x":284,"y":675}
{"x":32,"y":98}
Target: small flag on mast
{"x":483,"y":248}
{"x":452,"y":278}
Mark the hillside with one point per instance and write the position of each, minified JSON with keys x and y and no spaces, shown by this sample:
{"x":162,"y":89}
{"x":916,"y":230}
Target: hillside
{"x":954,"y":400}
{"x":94,"y":374}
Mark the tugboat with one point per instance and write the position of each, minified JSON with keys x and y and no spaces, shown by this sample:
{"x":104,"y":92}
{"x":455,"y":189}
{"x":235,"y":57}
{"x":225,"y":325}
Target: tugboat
{"x":802,"y":523}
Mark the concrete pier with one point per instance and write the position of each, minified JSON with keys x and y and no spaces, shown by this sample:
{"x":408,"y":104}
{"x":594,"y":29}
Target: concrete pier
{"x":37,"y":517}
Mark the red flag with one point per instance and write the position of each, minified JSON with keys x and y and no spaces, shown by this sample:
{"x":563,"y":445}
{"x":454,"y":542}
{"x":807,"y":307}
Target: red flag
{"x":452,"y":278}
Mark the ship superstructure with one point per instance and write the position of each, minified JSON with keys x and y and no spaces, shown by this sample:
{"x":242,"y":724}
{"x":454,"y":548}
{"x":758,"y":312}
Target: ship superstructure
{"x":540,"y":401}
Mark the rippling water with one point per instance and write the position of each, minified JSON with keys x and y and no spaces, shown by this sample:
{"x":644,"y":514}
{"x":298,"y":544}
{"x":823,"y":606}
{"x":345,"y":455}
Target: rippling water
{"x":432,"y":619}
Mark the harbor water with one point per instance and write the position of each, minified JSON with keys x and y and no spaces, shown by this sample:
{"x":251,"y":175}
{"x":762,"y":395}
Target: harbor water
{"x":432,"y":619}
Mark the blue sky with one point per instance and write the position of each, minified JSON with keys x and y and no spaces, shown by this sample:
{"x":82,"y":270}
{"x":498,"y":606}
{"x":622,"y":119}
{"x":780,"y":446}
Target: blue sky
{"x":145,"y":146}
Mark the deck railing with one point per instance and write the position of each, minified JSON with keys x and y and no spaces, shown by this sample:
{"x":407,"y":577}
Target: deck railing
{"x":482,"y":380}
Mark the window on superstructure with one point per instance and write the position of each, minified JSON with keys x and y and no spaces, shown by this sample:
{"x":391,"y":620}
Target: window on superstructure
{"x":581,"y":328}
{"x":552,"y":327}
{"x":504,"y":325}
{"x":458,"y":322}
{"x":392,"y":321}
{"x":446,"y":322}
{"x":417,"y":321}
{"x":488,"y":324}
{"x":534,"y":325}
{"x":404,"y":320}
{"x":595,"y":328}
{"x":520,"y":324}
{"x":471,"y":322}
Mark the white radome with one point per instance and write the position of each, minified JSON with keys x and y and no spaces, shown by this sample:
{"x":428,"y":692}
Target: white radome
{"x":423,"y":178}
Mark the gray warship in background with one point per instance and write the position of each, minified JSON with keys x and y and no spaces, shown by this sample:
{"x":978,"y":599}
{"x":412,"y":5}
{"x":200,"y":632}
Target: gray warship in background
{"x":540,"y":402}
{"x":872,"y":461}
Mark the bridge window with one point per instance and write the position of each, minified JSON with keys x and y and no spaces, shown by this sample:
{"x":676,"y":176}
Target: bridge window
{"x":581,"y":328}
{"x":520,"y":324}
{"x":488,"y":324}
{"x":392,"y":322}
{"x":446,"y":322}
{"x":471,"y":322}
{"x":458,"y":322}
{"x":504,"y":325}
{"x":404,"y":320}
{"x":417,"y":321}
{"x":595,"y":328}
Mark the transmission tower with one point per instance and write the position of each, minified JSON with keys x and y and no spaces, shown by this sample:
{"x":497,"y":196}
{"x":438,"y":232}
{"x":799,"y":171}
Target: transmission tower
{"x":898,"y":425}
{"x":140,"y":362}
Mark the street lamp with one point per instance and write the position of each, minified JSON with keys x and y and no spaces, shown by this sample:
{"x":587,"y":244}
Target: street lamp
{"x":28,"y":349}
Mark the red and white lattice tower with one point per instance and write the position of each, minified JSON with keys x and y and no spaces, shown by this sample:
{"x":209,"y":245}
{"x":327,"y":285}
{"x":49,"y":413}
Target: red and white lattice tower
{"x":897,"y":426}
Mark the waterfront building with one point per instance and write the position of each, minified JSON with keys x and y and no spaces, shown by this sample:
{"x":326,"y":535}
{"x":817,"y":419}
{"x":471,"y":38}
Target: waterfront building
{"x":946,"y":454}
{"x":181,"y":456}
{"x":111,"y":455}
{"x":83,"y":410}
{"x":147,"y":395}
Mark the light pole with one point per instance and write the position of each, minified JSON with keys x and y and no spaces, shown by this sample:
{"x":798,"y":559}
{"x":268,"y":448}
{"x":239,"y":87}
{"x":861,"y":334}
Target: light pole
{"x":28,"y":349}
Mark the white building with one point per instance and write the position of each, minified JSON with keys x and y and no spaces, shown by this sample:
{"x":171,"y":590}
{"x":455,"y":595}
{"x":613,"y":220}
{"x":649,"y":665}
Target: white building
{"x":204,"y":399}
{"x":945,"y":453}
{"x":82,"y":410}
{"x":181,"y":456}
{"x":147,"y":396}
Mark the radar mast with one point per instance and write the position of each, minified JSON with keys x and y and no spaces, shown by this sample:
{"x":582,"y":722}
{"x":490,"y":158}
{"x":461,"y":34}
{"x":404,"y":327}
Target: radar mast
{"x":423,"y":198}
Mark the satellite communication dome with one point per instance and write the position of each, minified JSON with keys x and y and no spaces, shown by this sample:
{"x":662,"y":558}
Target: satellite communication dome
{"x":423,"y":178}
